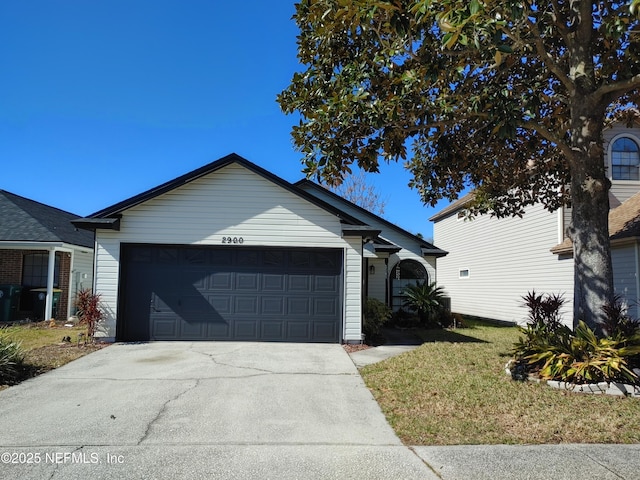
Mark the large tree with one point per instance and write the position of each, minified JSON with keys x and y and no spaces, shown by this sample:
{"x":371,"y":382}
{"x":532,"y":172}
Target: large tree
{"x":508,"y":97}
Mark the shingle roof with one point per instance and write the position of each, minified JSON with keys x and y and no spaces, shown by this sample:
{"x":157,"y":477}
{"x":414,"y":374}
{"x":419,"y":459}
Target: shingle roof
{"x":24,"y":220}
{"x":624,"y":222}
{"x":307,"y":184}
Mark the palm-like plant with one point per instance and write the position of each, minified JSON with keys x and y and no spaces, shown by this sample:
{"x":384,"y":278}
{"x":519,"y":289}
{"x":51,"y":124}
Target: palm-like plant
{"x":424,"y":299}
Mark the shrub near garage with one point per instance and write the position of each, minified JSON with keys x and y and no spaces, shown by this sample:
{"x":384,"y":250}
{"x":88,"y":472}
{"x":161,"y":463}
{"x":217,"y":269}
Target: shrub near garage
{"x":376,"y":314}
{"x":552,"y":351}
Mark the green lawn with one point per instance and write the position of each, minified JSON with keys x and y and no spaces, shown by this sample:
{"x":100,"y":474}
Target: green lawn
{"x":453,"y":390}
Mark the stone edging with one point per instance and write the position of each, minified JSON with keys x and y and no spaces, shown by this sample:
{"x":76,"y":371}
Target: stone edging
{"x":613,"y":388}
{"x":606,"y":388}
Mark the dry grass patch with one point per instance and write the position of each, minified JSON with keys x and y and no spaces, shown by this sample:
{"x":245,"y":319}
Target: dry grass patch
{"x":453,"y":390}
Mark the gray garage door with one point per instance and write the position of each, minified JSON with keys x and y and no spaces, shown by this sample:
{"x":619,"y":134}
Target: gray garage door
{"x":235,"y":293}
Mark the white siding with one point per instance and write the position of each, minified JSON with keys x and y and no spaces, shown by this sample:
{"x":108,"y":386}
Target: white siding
{"x":625,"y":266}
{"x":353,"y":290}
{"x":378,"y":281}
{"x":81,"y":275}
{"x":231,"y":202}
{"x":505,"y":258}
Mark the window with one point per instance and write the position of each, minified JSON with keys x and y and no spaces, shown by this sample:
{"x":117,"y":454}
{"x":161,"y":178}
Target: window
{"x":625,"y":159}
{"x":405,"y":273}
{"x":35,"y":268}
{"x":464,"y":273}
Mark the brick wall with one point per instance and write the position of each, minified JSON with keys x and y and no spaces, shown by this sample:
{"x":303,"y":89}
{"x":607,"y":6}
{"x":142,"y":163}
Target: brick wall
{"x":10,"y":266}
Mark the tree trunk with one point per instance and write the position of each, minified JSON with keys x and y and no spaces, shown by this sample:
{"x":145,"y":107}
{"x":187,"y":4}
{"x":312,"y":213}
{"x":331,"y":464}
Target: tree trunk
{"x":589,"y":231}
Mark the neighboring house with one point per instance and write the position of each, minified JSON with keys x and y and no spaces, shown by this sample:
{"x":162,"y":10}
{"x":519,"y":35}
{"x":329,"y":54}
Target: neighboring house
{"x":494,"y":262}
{"x":41,"y":249}
{"x":232,"y":252}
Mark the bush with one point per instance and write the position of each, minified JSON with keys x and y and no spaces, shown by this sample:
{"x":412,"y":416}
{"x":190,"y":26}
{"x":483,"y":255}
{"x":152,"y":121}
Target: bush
{"x":426,"y":299}
{"x":376,"y":314}
{"x":89,"y":310}
{"x":556,"y":352}
{"x":11,"y":360}
{"x":618,"y":324}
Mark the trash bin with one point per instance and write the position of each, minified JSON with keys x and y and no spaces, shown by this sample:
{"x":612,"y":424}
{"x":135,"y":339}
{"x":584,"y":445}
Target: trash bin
{"x":39,"y":297}
{"x":9,"y":302}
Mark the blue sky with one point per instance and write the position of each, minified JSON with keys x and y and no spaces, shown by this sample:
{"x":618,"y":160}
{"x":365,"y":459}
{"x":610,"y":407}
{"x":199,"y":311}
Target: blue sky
{"x":101,"y":100}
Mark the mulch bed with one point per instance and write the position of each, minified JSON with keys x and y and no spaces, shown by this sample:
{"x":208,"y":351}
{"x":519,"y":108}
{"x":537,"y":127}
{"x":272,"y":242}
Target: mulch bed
{"x":350,"y":347}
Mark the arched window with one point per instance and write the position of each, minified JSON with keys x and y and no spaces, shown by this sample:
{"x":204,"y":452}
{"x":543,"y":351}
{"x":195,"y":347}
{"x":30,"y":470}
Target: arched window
{"x":405,"y":272}
{"x":625,"y":159}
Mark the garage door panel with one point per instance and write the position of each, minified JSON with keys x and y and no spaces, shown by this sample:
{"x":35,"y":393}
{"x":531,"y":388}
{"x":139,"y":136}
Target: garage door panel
{"x":271,"y":330}
{"x":246,"y":306}
{"x":246,"y":329}
{"x":218,"y":330}
{"x":247,"y":281}
{"x":192,"y":330}
{"x":324,"y":331}
{"x":222,"y":304}
{"x":299,"y":306}
{"x":326,"y":283}
{"x":221,"y":281}
{"x":325,"y":307}
{"x":272,"y":306}
{"x":164,"y":328}
{"x":273,"y":283}
{"x":236,"y":293}
{"x":299,"y":283}
{"x":298,"y":331}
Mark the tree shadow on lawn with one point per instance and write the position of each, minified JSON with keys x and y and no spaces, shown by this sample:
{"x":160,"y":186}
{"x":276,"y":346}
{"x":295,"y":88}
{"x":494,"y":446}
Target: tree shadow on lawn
{"x":448,"y":336}
{"x":418,"y":336}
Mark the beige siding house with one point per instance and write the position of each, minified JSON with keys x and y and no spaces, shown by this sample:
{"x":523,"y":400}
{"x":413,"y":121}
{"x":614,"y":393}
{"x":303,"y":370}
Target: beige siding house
{"x":493,"y":262}
{"x":231,"y":252}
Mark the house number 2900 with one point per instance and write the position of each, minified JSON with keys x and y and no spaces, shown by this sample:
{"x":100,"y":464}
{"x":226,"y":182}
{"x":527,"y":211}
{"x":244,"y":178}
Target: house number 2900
{"x":232,"y":240}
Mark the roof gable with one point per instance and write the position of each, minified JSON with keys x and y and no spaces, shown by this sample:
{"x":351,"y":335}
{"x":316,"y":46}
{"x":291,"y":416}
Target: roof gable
{"x":105,"y":218}
{"x":25,"y":220}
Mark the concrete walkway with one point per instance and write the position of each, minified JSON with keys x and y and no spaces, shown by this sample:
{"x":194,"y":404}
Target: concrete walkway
{"x":201,"y":410}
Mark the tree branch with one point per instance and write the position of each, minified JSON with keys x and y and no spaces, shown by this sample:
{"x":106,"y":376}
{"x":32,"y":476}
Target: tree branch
{"x":548,"y":59}
{"x":551,"y":136}
{"x":618,"y":87}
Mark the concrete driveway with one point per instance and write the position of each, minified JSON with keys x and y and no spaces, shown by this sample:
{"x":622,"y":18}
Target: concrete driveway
{"x":201,"y":410}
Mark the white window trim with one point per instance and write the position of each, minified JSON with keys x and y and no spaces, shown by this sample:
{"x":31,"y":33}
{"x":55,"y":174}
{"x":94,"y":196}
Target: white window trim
{"x":610,"y":157}
{"x":464,"y":270}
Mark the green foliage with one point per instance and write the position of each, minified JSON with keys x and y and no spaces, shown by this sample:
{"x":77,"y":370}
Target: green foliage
{"x":582,"y":357}
{"x":477,"y":86}
{"x":376,"y":314}
{"x":426,"y":299}
{"x":544,"y":327}
{"x":618,"y":324}
{"x":11,"y":360}
{"x":555,"y":352}
{"x":89,"y":310}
